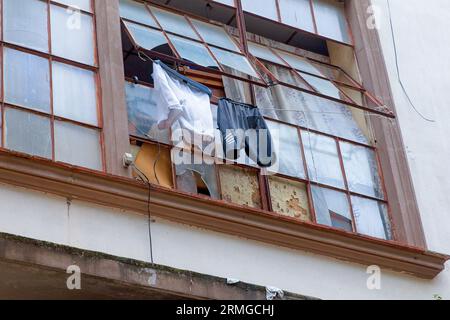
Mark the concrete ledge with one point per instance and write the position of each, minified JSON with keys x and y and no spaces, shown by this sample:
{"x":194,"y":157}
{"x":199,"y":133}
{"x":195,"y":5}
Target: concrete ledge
{"x":32,"y":269}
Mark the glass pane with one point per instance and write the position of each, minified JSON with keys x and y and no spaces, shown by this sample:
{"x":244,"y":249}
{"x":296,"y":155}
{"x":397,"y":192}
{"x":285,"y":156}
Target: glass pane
{"x":288,"y":150}
{"x":25,"y":23}
{"x":72,"y":35}
{"x":145,"y":37}
{"x":227,"y":2}
{"x":289,"y":198}
{"x":77,"y":145}
{"x":264,"y":8}
{"x":28,"y":133}
{"x":264,"y":53}
{"x":297,"y":13}
{"x":27,"y":80}
{"x":196,"y":174}
{"x":322,"y":159}
{"x":240,"y":186}
{"x":136,"y":11}
{"x":141,"y":113}
{"x":371,"y":218}
{"x":174,"y":23}
{"x":234,"y":60}
{"x":299,"y":63}
{"x":79,"y":4}
{"x":215,"y":35}
{"x":193,"y":51}
{"x":332,"y":208}
{"x":331,"y":20}
{"x":74,"y":93}
{"x":322,"y":86}
{"x":361,"y":169}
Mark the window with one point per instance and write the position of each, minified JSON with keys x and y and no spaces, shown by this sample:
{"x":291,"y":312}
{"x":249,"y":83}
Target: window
{"x":326,"y":172}
{"x":323,"y":17}
{"x":196,"y":42}
{"x":50,"y":102}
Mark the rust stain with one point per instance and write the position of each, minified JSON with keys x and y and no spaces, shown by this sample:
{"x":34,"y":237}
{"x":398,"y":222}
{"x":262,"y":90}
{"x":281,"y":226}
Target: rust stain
{"x":289,"y":198}
{"x":240,"y":186}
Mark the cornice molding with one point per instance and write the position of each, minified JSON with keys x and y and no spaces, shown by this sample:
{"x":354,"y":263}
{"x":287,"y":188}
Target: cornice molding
{"x":219,"y":216}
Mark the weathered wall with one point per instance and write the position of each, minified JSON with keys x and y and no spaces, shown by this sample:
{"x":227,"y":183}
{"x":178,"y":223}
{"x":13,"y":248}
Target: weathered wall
{"x":423,"y":51}
{"x":45,"y":217}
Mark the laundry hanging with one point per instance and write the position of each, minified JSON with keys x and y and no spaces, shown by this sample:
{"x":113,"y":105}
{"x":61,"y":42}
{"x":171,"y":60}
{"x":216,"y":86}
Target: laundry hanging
{"x":180,"y":99}
{"x":243,"y":126}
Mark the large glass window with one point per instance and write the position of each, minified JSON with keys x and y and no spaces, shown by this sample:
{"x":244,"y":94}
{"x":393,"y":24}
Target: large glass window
{"x":50,"y":101}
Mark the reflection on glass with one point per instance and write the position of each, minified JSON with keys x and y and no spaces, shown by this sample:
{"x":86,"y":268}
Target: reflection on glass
{"x":371,"y":218}
{"x":141,"y":113}
{"x":331,"y":20}
{"x":297,"y":13}
{"x":27,"y":80}
{"x":145,"y":37}
{"x":234,"y":60}
{"x":136,"y":11}
{"x":263,"y":8}
{"x":287,"y":146}
{"x":215,"y":35}
{"x":28,"y":133}
{"x":193,"y":51}
{"x":174,"y":23}
{"x":362,"y":170}
{"x":332,"y":208}
{"x":264,"y":53}
{"x":322,"y":159}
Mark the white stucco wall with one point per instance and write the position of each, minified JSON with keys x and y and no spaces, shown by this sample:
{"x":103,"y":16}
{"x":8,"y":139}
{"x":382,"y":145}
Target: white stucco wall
{"x":421,"y":33}
{"x":46,"y":217}
{"x":424,"y":51}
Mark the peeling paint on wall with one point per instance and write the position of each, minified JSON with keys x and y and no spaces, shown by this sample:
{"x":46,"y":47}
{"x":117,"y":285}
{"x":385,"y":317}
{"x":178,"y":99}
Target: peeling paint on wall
{"x":289,"y":198}
{"x":240,"y":186}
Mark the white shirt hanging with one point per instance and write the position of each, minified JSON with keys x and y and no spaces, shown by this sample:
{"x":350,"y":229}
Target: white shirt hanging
{"x":174,"y":94}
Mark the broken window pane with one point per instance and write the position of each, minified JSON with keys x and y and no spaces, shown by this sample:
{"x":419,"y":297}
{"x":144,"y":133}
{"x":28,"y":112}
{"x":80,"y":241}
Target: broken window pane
{"x":215,"y":35}
{"x":136,"y":11}
{"x":28,"y":133}
{"x":77,"y":145}
{"x":72,"y":39}
{"x":196,"y":174}
{"x":145,"y":37}
{"x":74,"y":93}
{"x":331,"y":20}
{"x":234,"y":60}
{"x":25,"y":23}
{"x":141,"y":113}
{"x":240,"y":186}
{"x":361,"y":169}
{"x":174,"y":23}
{"x":193,"y":51}
{"x":371,"y":218}
{"x":290,"y":198}
{"x":323,"y":160}
{"x":288,"y":150}
{"x":27,"y":80}
{"x":155,"y":162}
{"x":332,"y":208}
{"x":263,"y":8}
{"x":297,"y":13}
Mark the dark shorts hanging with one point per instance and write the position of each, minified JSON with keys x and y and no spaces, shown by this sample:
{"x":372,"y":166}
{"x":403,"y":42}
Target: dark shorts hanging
{"x":243,"y":126}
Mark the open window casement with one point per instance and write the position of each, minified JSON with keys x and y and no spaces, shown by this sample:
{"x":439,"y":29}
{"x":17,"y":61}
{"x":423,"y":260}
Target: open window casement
{"x":187,"y":41}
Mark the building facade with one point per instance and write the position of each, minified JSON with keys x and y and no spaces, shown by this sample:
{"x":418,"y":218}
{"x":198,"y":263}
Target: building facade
{"x":100,"y":201}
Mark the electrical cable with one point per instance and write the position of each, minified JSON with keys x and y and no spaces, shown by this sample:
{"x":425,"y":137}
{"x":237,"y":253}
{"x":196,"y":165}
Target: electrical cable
{"x":398,"y":67}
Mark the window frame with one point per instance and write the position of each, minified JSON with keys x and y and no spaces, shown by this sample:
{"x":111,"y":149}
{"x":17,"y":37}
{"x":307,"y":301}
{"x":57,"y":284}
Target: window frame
{"x":50,"y":57}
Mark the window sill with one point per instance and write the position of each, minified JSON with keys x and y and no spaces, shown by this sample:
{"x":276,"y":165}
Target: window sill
{"x":128,"y":194}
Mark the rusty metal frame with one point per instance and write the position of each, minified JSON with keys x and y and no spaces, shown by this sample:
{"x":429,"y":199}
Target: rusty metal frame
{"x":50,"y":57}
